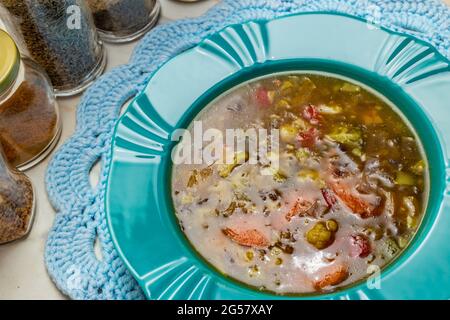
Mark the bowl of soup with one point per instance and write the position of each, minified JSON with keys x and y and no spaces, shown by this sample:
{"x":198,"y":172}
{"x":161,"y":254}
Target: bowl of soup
{"x":348,"y":192}
{"x":287,"y":169}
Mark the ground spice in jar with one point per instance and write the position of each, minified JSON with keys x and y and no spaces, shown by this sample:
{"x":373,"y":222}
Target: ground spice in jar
{"x":16,"y":205}
{"x":28,"y":123}
{"x":122,"y":16}
{"x":41,"y":27}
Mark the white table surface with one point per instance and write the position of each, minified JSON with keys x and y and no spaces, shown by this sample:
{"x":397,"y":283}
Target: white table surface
{"x":22,"y":271}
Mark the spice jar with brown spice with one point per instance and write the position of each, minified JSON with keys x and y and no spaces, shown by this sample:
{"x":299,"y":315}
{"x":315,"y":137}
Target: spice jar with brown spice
{"x":16,"y":203}
{"x":29,"y":120}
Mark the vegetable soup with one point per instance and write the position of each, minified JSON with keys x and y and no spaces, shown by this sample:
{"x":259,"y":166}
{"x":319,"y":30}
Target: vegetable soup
{"x":346,"y":197}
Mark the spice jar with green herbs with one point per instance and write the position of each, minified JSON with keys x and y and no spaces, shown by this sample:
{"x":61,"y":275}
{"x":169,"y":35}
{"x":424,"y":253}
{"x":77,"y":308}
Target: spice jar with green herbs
{"x":124,"y":20}
{"x":16,"y":203}
{"x":29,"y":122}
{"x":60,"y":36}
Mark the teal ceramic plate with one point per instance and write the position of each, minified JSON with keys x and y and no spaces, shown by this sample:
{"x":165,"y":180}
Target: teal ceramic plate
{"x":408,"y":72}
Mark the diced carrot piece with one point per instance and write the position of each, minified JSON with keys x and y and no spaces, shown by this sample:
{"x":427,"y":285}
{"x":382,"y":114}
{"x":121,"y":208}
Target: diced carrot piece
{"x":300,"y":207}
{"x":247,"y":238}
{"x":332,"y":278}
{"x":358,"y":205}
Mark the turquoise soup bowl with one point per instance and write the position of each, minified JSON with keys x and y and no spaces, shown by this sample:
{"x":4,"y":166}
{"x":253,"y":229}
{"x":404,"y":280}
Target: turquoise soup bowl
{"x":411,"y":74}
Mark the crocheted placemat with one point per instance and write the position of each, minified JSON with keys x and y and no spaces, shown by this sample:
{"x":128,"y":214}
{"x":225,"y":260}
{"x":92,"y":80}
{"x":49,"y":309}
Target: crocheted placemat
{"x":80,"y":219}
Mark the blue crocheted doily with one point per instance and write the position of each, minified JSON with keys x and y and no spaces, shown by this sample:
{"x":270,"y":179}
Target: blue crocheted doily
{"x":69,"y":255}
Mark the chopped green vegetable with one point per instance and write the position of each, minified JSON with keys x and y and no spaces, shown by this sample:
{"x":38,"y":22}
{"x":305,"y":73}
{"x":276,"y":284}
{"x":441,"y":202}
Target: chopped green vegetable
{"x":206,"y":172}
{"x":418,"y":168}
{"x":230,"y":210}
{"x":376,"y":233}
{"x":288,"y":133}
{"x":336,"y":88}
{"x":283,"y":103}
{"x":402,"y":242}
{"x":346,"y":135}
{"x":241,"y":196}
{"x":300,"y":124}
{"x":350,"y":88}
{"x":389,"y":247}
{"x":303,"y":154}
{"x":411,"y":222}
{"x":404,"y":179}
{"x":308,"y":174}
{"x":192,"y":179}
{"x":332,"y":225}
{"x":357,"y":152}
{"x":320,"y":236}
{"x":241,"y":157}
{"x":249,"y":255}
{"x":198,"y":175}
{"x":307,"y":84}
{"x":226,"y":169}
{"x":287,"y":84}
{"x":279,"y":177}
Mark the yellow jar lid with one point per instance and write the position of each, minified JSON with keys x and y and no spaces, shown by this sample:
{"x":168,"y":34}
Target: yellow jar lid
{"x":9,"y":61}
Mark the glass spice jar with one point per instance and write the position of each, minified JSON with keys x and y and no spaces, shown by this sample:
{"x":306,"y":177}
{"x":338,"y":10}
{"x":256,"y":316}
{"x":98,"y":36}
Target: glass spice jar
{"x":60,"y":36}
{"x":124,"y":20}
{"x":16,"y":203}
{"x":29,"y":120}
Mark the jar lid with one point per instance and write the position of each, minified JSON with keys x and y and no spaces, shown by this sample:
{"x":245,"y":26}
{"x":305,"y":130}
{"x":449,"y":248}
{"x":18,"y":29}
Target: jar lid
{"x":9,"y":61}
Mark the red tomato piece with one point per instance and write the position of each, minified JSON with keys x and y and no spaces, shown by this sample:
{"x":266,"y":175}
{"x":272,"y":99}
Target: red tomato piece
{"x":310,"y":113}
{"x":308,"y":138}
{"x":329,"y":197}
{"x":360,"y":246}
{"x":262,"y":97}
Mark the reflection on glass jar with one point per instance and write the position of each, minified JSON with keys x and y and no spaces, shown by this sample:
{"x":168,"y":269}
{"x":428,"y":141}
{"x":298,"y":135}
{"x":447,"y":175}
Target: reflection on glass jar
{"x":60,"y":36}
{"x":124,"y":20}
{"x":29,"y":121}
